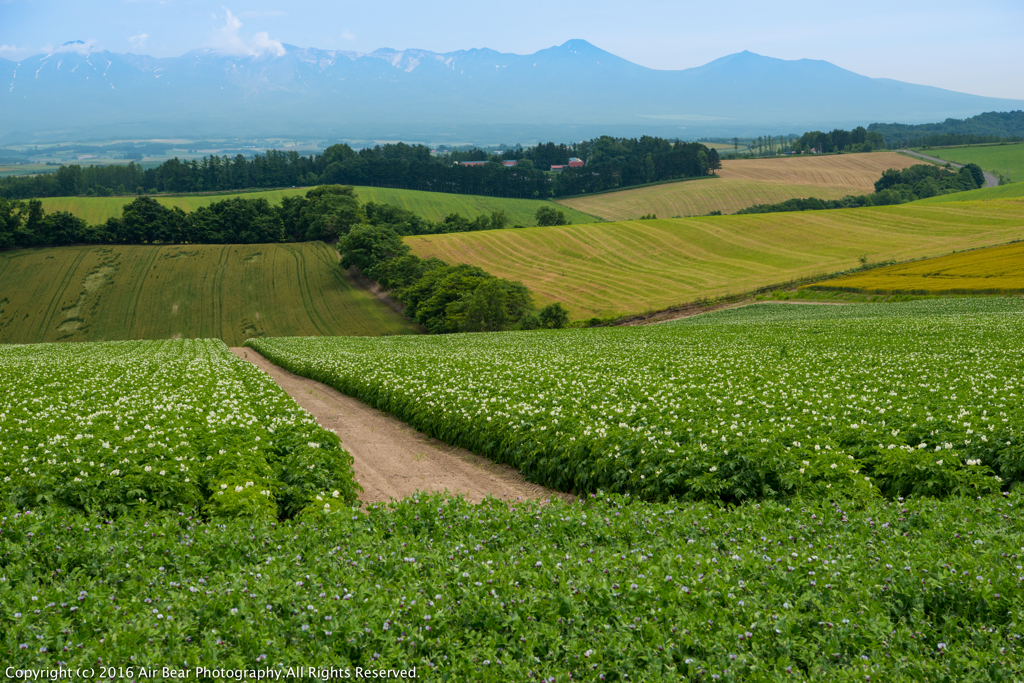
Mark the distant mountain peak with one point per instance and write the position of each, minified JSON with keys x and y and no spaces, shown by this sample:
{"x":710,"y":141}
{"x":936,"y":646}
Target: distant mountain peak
{"x":575,"y":87}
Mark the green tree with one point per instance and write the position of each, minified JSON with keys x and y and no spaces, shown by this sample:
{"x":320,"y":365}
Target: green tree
{"x":714,"y":161}
{"x":10,"y":221}
{"x":554,"y":316}
{"x":482,"y":311}
{"x":62,"y":227}
{"x":330,"y":212}
{"x":976,"y":173}
{"x":140,"y":219}
{"x":548,"y":216}
{"x":366,"y":246}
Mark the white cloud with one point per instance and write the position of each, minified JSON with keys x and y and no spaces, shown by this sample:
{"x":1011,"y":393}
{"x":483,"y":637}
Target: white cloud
{"x":229,"y":41}
{"x":78,"y":46}
{"x":138,"y":41}
{"x":13,"y":52}
{"x":348,"y":35}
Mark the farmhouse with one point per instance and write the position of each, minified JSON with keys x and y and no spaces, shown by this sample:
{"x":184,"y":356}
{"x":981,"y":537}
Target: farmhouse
{"x":573,"y":163}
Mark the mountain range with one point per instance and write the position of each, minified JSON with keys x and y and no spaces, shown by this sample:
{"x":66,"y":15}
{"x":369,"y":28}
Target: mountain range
{"x":569,"y":92}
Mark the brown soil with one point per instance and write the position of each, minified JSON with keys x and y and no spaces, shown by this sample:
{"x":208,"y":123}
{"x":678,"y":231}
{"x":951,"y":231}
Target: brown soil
{"x":393,"y":460}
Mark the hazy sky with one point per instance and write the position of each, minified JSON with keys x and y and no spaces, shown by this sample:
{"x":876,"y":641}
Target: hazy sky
{"x":975,"y":47}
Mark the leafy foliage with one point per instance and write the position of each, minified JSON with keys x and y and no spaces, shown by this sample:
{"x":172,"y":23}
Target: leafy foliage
{"x":604,"y":588}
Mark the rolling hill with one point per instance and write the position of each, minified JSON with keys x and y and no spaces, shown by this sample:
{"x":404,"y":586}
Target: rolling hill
{"x":431,"y":205}
{"x":1004,"y":160}
{"x":623,"y":268}
{"x":232,"y":292}
{"x":745,"y":182}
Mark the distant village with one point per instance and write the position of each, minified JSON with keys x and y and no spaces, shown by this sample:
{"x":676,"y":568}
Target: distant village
{"x":556,"y":168}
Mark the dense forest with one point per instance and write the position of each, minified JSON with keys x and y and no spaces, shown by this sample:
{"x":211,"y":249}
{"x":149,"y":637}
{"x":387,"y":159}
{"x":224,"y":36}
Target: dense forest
{"x":610,"y":163}
{"x":988,"y":127}
{"x":894,"y":187}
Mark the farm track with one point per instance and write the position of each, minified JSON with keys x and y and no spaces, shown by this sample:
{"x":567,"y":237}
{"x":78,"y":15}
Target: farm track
{"x":393,"y":460}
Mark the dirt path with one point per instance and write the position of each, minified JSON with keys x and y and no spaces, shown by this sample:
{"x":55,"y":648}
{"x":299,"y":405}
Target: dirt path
{"x":393,"y":460}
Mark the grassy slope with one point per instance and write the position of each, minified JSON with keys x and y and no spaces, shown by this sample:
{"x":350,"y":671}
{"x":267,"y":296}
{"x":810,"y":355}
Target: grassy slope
{"x":231,"y":292}
{"x":1001,"y":159}
{"x":632,"y":267}
{"x":745,"y":182}
{"x":431,"y":205}
{"x":1010,"y":191}
{"x":995,"y":270}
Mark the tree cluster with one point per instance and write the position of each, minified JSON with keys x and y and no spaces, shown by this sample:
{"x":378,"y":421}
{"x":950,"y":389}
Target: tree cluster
{"x":611,"y":163}
{"x":441,"y":297}
{"x":894,"y":187}
{"x":859,"y":139}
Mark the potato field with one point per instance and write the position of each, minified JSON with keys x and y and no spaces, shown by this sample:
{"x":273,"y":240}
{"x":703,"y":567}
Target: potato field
{"x":761,"y":402}
{"x":174,"y":425}
{"x":166,"y":504}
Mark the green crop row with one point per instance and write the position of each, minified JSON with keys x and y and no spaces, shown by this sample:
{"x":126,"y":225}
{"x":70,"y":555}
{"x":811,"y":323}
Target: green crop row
{"x":769,"y":401}
{"x":603,"y":589}
{"x":179,"y":425}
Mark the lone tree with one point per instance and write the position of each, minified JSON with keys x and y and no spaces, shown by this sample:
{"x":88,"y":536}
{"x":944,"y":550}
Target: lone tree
{"x":548,"y":216}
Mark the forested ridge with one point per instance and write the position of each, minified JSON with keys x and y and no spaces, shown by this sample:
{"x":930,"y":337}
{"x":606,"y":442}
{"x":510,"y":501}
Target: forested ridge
{"x":610,"y":163}
{"x":993,"y":126}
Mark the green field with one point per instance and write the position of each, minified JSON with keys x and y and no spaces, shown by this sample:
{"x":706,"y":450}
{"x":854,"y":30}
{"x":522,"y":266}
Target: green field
{"x":613,"y":269}
{"x":1009,"y":191}
{"x":431,"y":205}
{"x":25,"y":169}
{"x":1004,"y":160}
{"x":230,"y":292}
{"x":685,"y":409}
{"x":165,"y":504}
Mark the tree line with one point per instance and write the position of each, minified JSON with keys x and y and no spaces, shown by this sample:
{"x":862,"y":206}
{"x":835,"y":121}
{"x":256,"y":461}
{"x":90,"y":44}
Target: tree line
{"x":894,"y":187}
{"x":989,"y":127}
{"x":610,"y":163}
{"x":441,"y":297}
{"x":324,"y":213}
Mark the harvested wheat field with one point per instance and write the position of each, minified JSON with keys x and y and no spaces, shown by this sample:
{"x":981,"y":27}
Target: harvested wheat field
{"x":855,"y":173}
{"x":611,"y":269}
{"x":995,"y":270}
{"x":746,"y":182}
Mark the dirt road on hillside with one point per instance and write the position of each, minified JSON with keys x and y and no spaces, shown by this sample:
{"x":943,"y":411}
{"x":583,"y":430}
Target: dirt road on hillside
{"x":393,"y":460}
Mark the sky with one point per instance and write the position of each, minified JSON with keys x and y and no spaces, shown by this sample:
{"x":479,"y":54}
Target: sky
{"x":974,"y":47}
